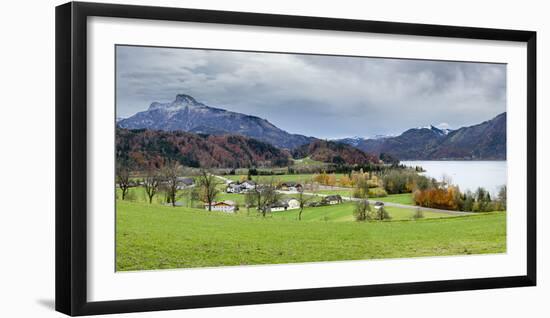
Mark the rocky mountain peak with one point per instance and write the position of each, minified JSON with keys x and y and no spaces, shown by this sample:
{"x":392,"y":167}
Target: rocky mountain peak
{"x":187,"y":114}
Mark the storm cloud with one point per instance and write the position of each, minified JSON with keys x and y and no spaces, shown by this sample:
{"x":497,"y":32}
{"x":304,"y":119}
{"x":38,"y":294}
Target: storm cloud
{"x":315,"y":95}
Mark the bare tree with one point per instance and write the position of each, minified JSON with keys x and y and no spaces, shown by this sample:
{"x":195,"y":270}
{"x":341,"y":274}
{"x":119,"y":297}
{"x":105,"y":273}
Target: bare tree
{"x":502,"y":197}
{"x":418,"y":214}
{"x":191,"y":195}
{"x":446,"y":181}
{"x":151,"y":183}
{"x":382,"y":214}
{"x":304,"y":199}
{"x":208,"y":185}
{"x":266,"y":195}
{"x":362,"y":210}
{"x":123,"y":178}
{"x":249,"y":200}
{"x":170,"y":174}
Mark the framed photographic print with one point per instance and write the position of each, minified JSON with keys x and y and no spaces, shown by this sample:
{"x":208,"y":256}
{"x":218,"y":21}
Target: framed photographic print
{"x":210,"y":158}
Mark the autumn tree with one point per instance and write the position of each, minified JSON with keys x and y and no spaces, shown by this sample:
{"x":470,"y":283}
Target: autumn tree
{"x":345,"y":181}
{"x":361,"y":189}
{"x":208,"y":185}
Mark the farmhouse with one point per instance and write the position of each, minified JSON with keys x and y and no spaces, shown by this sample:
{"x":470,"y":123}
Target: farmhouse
{"x":279,"y":206}
{"x":242,"y":187}
{"x":315,"y":204}
{"x":227,"y":206}
{"x":292,"y":203}
{"x":248,"y":184}
{"x":184,"y":183}
{"x":285,"y":204}
{"x":332,"y":199}
{"x":291,"y":186}
{"x":234,"y":188}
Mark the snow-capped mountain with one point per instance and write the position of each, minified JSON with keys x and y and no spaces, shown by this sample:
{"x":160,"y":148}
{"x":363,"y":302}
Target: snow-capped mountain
{"x":486,"y":140}
{"x":439,"y":131}
{"x":352,"y":141}
{"x":381,"y":136}
{"x":187,"y":114}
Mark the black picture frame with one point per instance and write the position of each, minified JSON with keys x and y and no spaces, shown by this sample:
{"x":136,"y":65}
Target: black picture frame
{"x":71,"y":157}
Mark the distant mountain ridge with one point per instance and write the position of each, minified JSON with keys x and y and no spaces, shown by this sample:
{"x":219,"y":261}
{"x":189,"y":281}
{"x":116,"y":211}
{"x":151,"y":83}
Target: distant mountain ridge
{"x":152,"y":147}
{"x":484,"y":141}
{"x":187,"y":114}
{"x":333,"y":152}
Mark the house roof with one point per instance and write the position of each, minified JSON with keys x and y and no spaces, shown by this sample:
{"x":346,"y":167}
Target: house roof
{"x":333,"y":197}
{"x":287,"y":200}
{"x":291,"y":184}
{"x":280,"y":204}
{"x":225,"y":202}
{"x":187,"y":181}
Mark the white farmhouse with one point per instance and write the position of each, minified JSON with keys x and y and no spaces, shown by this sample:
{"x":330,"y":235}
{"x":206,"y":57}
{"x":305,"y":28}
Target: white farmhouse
{"x":332,"y":199}
{"x":292,"y":203}
{"x":234,"y":188}
{"x":278,"y":207}
{"x":248,"y":184}
{"x":227,"y":206}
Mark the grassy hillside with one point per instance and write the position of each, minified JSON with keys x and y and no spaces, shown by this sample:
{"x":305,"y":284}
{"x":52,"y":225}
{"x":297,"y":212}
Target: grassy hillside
{"x":159,"y":237}
{"x":402,"y":198}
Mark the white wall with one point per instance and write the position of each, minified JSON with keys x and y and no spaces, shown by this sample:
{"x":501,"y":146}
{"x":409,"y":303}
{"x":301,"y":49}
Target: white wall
{"x":27,"y":130}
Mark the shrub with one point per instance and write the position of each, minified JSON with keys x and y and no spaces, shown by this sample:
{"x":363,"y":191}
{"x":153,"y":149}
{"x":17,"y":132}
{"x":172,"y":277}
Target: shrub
{"x":404,"y":181}
{"x":379,"y":214}
{"x":377,"y":193}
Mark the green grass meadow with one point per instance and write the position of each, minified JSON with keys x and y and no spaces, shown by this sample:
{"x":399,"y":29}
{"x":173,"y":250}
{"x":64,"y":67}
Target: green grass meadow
{"x":301,"y":178}
{"x":403,"y":198}
{"x":153,"y":236}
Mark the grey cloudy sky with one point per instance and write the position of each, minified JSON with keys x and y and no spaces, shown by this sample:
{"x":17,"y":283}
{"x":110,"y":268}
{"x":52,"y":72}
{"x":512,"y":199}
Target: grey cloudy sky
{"x":314,"y":95}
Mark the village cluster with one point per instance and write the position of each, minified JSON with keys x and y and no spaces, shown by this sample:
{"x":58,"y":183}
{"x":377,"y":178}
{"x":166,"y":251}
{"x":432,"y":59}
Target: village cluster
{"x":284,"y":204}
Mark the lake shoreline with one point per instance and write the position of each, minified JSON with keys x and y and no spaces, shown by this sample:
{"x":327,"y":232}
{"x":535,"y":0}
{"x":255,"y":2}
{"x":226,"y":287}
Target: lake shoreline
{"x":467,"y":174}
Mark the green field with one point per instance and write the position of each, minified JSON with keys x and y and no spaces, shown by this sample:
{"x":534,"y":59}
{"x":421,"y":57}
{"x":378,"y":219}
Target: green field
{"x":307,"y":161}
{"x":158,"y":237}
{"x":403,"y":198}
{"x":344,"y":212}
{"x":302,"y":178}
